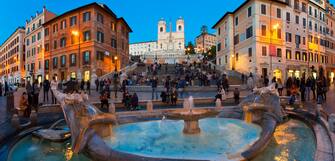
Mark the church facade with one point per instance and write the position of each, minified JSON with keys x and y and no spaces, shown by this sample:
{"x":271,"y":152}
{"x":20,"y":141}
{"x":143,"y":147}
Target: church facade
{"x":169,"y":47}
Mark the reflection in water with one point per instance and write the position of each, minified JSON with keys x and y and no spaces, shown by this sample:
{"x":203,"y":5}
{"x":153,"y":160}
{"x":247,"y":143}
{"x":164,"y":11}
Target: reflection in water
{"x":292,"y":141}
{"x":33,"y":149}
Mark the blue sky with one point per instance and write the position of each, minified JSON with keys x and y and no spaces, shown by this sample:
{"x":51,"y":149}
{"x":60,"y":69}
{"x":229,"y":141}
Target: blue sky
{"x":141,"y":15}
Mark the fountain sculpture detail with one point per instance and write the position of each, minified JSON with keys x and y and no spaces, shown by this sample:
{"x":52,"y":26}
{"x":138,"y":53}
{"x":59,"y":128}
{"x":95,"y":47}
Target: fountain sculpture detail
{"x":191,"y":116}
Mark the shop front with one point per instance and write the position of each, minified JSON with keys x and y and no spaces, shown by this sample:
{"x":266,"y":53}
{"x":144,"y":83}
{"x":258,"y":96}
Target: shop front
{"x":295,"y":71}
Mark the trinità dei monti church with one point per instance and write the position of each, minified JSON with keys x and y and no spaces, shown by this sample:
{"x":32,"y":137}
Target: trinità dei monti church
{"x":169,"y":47}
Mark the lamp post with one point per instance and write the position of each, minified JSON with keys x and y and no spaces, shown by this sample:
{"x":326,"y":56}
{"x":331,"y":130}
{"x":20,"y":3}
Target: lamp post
{"x":115,"y":61}
{"x":75,"y":33}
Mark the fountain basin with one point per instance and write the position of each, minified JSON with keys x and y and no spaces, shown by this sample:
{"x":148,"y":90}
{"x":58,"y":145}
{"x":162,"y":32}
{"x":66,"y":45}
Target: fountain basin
{"x":164,"y":139}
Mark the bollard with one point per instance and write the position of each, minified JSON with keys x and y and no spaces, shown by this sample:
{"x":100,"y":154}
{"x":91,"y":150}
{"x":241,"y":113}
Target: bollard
{"x":16,"y":121}
{"x":218,"y":104}
{"x":33,"y":117}
{"x":111,"y":108}
{"x":150,"y":106}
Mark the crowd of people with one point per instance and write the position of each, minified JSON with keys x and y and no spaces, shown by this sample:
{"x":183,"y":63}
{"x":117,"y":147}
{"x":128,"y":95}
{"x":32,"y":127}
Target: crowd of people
{"x":307,"y":88}
{"x":174,"y":84}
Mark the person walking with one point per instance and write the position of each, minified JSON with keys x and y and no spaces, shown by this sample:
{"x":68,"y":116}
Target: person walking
{"x":154,"y":83}
{"x":46,"y":87}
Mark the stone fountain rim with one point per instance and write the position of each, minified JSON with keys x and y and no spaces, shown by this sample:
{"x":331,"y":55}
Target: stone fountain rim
{"x":179,"y":115}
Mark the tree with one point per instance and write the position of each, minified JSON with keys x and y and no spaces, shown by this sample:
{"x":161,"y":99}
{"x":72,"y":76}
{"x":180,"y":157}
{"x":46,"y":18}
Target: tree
{"x":211,"y":53}
{"x":190,"y":49}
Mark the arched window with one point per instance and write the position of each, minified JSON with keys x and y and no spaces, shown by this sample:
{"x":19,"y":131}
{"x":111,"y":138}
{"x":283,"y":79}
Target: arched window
{"x":180,"y":28}
{"x":161,"y":29}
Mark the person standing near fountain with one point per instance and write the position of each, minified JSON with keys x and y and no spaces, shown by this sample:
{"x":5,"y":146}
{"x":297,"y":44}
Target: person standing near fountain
{"x":104,"y":99}
{"x":237,"y":96}
{"x":154,"y":83}
{"x":36,"y":92}
{"x":46,"y":87}
{"x":54,"y":84}
{"x":174,"y":96}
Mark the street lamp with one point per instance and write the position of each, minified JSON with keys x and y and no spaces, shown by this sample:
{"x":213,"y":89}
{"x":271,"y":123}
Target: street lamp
{"x":75,"y":33}
{"x":115,"y":60}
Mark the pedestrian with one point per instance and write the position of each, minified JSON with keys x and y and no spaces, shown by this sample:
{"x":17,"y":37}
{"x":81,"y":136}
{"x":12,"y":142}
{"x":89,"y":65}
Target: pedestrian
{"x":313,"y":87}
{"x":303,"y":87}
{"x":30,"y":93}
{"x":280,"y":87}
{"x":82,"y":85}
{"x":308,"y":87}
{"x":167,"y":84}
{"x":289,"y":84}
{"x":54,"y":85}
{"x":70,"y":86}
{"x":6,"y":88}
{"x":242,"y":78}
{"x":154,"y":83}
{"x":174,"y":96}
{"x":134,"y":102}
{"x":181,"y":87}
{"x":88,"y":87}
{"x":46,"y":88}
{"x":237,"y":96}
{"x":250,"y":83}
{"x":266,"y":81}
{"x":116,"y":83}
{"x":124,"y":85}
{"x":36,"y":92}
{"x":97,"y":84}
{"x":104,"y":100}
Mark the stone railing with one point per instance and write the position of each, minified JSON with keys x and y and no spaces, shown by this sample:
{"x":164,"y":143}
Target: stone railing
{"x":126,"y":69}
